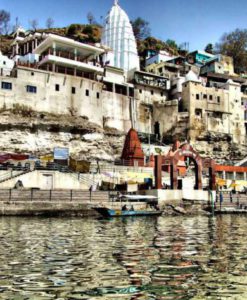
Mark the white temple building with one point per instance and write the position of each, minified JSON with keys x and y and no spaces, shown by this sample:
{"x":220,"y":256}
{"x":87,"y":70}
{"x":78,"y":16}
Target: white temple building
{"x":118,"y":36}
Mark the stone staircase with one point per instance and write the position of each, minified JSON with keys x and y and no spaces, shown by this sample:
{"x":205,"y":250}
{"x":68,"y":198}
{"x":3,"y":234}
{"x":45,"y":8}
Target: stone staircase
{"x":13,"y":174}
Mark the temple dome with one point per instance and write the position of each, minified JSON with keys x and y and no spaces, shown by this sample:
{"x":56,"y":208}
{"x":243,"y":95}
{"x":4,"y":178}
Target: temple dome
{"x":118,"y":35}
{"x":191,"y":76}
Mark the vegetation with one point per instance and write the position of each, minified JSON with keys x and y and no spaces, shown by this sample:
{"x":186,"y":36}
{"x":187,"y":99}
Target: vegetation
{"x":4,"y":22}
{"x":141,"y":29}
{"x":234,"y":44}
{"x":209,"y":48}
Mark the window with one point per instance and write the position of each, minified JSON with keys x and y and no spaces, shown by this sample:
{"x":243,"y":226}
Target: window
{"x":161,"y":94}
{"x":87,"y":93}
{"x":140,"y":91}
{"x":210,"y":97}
{"x":31,"y":89}
{"x":73,"y":90}
{"x":6,"y":85}
{"x":197,"y":97}
{"x":98,"y":95}
{"x":4,"y":62}
{"x":57,"y":87}
{"x":198,"y":112}
{"x":205,"y":96}
{"x":218,"y":99}
{"x":32,"y":73}
{"x":152,"y":92}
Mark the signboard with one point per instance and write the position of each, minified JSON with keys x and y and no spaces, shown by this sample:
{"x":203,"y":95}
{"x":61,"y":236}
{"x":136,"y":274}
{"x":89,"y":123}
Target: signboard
{"x":81,"y":166}
{"x":61,"y":153}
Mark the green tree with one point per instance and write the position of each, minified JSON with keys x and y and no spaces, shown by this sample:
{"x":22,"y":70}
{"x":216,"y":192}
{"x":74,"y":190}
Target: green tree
{"x":209,"y":48}
{"x":234,"y":44}
{"x":141,"y":28}
{"x":74,"y":29}
{"x":172,"y":44}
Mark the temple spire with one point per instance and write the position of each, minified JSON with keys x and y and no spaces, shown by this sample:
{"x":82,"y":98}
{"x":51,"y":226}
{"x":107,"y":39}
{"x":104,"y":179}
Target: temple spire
{"x":115,"y":2}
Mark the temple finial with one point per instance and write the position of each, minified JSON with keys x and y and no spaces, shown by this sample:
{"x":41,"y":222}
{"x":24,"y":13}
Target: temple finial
{"x":115,"y":2}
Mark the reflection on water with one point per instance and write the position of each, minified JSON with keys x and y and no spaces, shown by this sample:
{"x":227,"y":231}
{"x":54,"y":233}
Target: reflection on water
{"x":139,"y":258}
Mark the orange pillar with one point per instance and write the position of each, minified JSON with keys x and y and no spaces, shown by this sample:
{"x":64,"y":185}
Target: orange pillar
{"x":158,"y":172}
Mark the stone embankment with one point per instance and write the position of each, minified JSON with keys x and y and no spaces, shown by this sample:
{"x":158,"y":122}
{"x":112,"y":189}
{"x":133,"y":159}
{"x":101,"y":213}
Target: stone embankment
{"x":33,"y":202}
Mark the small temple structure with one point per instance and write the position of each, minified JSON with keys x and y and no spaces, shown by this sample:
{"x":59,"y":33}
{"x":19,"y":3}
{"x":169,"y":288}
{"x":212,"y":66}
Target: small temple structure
{"x":119,"y":37}
{"x":132,"y":153}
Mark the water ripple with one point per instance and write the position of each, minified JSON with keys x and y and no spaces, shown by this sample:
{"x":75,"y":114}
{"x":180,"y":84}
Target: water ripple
{"x":142,"y":258}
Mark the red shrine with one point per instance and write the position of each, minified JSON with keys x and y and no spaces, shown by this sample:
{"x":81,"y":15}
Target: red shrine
{"x":132,"y":151}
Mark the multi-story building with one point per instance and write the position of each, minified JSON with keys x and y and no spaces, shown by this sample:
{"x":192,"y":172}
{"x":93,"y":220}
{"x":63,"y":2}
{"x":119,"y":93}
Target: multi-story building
{"x":214,"y":110}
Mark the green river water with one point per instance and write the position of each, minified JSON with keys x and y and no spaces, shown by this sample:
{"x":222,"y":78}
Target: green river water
{"x":132,"y":258}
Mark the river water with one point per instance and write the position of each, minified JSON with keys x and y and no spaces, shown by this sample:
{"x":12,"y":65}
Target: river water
{"x":132,"y":258}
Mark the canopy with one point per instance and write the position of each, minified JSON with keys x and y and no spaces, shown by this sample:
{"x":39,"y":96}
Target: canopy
{"x":221,"y":182}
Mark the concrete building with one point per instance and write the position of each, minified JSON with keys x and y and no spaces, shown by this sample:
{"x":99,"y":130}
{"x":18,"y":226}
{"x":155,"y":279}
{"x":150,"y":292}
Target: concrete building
{"x":6,"y":65}
{"x":157,"y":58}
{"x":199,"y":57}
{"x":214,"y":110}
{"x":118,"y":36}
{"x":220,"y":64}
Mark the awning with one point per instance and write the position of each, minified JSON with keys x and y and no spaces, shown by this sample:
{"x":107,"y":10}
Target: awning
{"x":221,"y":182}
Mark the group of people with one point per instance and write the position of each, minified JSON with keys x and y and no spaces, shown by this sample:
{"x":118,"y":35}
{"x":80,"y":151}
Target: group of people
{"x":124,"y":208}
{"x":220,"y":198}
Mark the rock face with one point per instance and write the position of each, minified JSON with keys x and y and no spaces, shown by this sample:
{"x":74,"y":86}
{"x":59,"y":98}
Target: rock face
{"x":40,"y":133}
{"x":220,"y":147}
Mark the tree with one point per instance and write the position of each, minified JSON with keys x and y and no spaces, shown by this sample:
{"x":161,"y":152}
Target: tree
{"x":90,"y":18}
{"x":49,"y":23}
{"x":234,"y":44}
{"x":34,"y":24}
{"x":172,"y":44}
{"x":209,"y":48}
{"x":141,"y":29}
{"x":4,"y":21}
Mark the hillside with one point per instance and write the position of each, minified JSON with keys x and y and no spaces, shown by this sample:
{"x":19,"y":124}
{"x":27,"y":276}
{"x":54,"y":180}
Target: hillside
{"x":92,"y":34}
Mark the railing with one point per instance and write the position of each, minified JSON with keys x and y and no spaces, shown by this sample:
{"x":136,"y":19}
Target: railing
{"x":54,"y":196}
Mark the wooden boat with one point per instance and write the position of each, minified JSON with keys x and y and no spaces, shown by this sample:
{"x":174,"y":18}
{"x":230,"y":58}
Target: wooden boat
{"x":126,"y":200}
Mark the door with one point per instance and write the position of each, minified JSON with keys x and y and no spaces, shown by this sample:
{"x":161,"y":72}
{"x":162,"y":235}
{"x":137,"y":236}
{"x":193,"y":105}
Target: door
{"x":47,"y":182}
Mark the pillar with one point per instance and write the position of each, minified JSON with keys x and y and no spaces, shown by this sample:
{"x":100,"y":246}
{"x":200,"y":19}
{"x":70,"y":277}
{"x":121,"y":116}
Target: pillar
{"x":158,"y":172}
{"x":54,"y":48}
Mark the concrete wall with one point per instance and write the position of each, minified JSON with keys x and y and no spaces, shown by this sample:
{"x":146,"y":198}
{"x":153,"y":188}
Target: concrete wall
{"x":46,"y":180}
{"x":179,"y":195}
{"x":97,"y":105}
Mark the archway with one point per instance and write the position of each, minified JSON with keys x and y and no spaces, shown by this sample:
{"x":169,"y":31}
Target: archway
{"x":170,"y":163}
{"x":186,"y":151}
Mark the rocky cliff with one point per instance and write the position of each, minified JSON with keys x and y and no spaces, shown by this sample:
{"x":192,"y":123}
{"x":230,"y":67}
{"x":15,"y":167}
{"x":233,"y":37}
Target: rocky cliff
{"x":23,"y":131}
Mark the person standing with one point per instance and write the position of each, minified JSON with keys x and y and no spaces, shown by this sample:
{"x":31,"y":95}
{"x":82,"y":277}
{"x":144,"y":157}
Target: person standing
{"x":221,"y":199}
{"x":230,"y":194}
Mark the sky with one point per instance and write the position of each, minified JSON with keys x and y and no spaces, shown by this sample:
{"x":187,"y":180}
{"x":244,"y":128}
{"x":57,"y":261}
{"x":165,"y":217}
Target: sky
{"x":197,"y":22}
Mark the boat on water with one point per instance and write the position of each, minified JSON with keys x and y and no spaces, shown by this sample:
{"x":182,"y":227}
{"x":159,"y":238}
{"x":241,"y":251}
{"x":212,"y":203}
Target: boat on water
{"x":127,"y":207}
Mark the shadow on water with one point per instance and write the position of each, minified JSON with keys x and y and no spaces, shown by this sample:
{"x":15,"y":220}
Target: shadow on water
{"x":125,"y":258}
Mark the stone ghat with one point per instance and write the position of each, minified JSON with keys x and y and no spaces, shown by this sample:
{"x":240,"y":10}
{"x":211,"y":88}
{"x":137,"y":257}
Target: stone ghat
{"x":61,"y":203}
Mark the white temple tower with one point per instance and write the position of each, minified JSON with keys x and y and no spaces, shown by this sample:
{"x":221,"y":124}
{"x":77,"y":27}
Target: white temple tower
{"x":118,"y":35}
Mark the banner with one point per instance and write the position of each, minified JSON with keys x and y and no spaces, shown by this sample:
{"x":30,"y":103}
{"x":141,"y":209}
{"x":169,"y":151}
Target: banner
{"x":61,"y":153}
